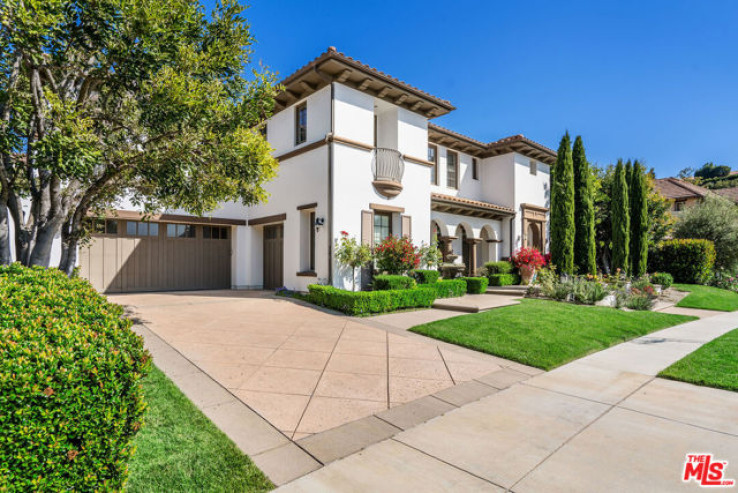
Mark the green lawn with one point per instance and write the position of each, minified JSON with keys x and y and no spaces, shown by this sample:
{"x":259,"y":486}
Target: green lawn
{"x":546,"y":334}
{"x":179,"y":449}
{"x":708,"y":298}
{"x":713,"y":365}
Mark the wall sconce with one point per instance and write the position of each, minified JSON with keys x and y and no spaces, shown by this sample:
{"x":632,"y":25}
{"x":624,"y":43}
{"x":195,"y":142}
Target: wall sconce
{"x":319,"y":221}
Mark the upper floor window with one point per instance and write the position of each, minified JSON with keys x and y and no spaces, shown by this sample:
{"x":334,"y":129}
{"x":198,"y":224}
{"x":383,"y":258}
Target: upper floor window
{"x":301,"y":118}
{"x":433,"y":158}
{"x":533,"y":167}
{"x":452,"y":169}
{"x":475,"y":169}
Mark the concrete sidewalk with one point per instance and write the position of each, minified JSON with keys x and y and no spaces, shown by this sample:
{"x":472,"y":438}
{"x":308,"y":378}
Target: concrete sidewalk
{"x":602,"y":423}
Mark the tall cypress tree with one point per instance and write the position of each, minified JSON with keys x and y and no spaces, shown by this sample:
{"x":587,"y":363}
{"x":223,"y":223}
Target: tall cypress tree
{"x":620,"y":219}
{"x":584,"y":239}
{"x":562,"y":209}
{"x":638,"y":220}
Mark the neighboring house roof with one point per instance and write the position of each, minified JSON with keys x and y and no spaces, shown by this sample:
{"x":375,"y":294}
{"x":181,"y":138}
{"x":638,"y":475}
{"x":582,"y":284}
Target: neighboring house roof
{"x":676,"y":189}
{"x":333,"y":65}
{"x":468,"y":207}
{"x":728,"y":193}
{"x":515,"y":143}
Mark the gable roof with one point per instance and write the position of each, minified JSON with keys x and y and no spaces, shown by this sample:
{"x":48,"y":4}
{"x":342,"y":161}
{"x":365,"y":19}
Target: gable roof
{"x":674,"y":188}
{"x":728,"y":193}
{"x":333,"y":65}
{"x":515,"y":143}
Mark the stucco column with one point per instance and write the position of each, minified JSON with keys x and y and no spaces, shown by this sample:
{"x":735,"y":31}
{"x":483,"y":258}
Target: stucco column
{"x":472,"y":267}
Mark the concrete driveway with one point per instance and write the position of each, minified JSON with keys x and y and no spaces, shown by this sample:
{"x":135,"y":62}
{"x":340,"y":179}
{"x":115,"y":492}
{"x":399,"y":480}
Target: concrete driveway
{"x":303,"y":369}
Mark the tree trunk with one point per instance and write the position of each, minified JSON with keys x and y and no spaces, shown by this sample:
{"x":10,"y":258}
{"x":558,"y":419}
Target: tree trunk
{"x":41,"y":253}
{"x":70,"y":244}
{"x":5,"y":257}
{"x":69,"y":257}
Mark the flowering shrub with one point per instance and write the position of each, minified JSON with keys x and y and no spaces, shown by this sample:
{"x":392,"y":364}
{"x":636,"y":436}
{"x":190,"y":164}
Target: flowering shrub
{"x":724,"y":281}
{"x":397,"y":255}
{"x":530,"y":257}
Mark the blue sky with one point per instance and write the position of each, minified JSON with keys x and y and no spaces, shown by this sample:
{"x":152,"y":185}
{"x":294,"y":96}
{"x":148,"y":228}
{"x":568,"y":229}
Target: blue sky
{"x":655,"y":80}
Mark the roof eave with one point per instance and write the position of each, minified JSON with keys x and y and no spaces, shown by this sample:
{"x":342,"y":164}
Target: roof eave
{"x":333,"y":66}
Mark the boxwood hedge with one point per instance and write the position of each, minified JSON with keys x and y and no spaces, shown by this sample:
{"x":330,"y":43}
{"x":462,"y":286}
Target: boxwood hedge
{"x":425,"y":276}
{"x":70,"y":394}
{"x":385,"y":282}
{"x":476,"y":285}
{"x":366,"y":302}
{"x":504,"y":279}
{"x":447,"y":288}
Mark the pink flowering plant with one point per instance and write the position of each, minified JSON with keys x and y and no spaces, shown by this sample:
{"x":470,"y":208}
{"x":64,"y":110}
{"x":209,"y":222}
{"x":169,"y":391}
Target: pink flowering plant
{"x":528,"y":257}
{"x":397,"y":255}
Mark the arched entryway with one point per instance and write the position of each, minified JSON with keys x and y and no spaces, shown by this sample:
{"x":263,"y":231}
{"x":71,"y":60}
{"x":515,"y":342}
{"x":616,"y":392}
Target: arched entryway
{"x":487,"y":248}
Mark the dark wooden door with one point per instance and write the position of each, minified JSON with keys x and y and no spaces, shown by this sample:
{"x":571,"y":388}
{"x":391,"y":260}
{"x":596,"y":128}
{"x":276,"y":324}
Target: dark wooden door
{"x":273,"y":256}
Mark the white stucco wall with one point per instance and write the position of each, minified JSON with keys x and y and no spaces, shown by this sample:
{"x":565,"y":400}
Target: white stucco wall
{"x":281,"y":126}
{"x":529,"y":189}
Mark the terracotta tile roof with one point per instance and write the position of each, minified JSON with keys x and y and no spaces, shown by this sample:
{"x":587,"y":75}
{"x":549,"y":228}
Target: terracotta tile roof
{"x":515,"y":143}
{"x":674,"y":188}
{"x":433,"y":126}
{"x":332,"y":53}
{"x":728,"y":193}
{"x":473,"y":203}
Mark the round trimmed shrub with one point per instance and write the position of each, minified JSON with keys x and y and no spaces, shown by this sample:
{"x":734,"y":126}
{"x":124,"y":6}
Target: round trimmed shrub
{"x":70,"y":394}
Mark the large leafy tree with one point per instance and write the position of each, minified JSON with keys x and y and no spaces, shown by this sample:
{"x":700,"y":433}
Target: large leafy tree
{"x":584,"y":240}
{"x":638,"y":220}
{"x":562,"y":208}
{"x":620,"y":219}
{"x":105,"y":98}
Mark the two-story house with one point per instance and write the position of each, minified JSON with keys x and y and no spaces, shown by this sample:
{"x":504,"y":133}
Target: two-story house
{"x":357,"y":154}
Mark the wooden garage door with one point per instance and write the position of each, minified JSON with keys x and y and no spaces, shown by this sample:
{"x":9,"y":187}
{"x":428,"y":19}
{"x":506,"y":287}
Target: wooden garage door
{"x":273,"y":256}
{"x":129,"y":256}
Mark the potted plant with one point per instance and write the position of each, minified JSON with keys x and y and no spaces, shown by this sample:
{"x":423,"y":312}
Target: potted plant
{"x":528,"y":260}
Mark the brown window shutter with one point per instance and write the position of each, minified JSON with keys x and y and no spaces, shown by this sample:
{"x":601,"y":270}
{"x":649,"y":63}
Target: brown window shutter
{"x":407,"y":226}
{"x":367,"y":228}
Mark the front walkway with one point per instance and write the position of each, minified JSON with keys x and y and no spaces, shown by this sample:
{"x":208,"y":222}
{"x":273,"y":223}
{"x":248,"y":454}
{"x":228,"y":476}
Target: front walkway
{"x":602,"y":423}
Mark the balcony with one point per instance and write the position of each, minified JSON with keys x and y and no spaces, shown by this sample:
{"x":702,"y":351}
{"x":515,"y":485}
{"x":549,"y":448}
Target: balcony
{"x":387,"y":168}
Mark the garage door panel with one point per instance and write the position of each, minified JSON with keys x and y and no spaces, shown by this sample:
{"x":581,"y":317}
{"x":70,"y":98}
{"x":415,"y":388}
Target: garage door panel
{"x":120,"y":263}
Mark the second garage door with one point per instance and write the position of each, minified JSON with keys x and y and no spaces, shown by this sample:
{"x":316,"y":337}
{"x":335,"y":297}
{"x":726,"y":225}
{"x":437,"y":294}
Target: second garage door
{"x":129,"y":256}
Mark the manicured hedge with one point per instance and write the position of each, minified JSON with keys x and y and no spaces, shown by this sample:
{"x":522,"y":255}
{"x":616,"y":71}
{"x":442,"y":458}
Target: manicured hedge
{"x":70,"y":395}
{"x":425,"y":276}
{"x":504,"y":279}
{"x":662,"y":278}
{"x":501,"y":267}
{"x":476,"y":285}
{"x":385,"y":282}
{"x":366,"y":302}
{"x":689,"y":261}
{"x":447,"y":288}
